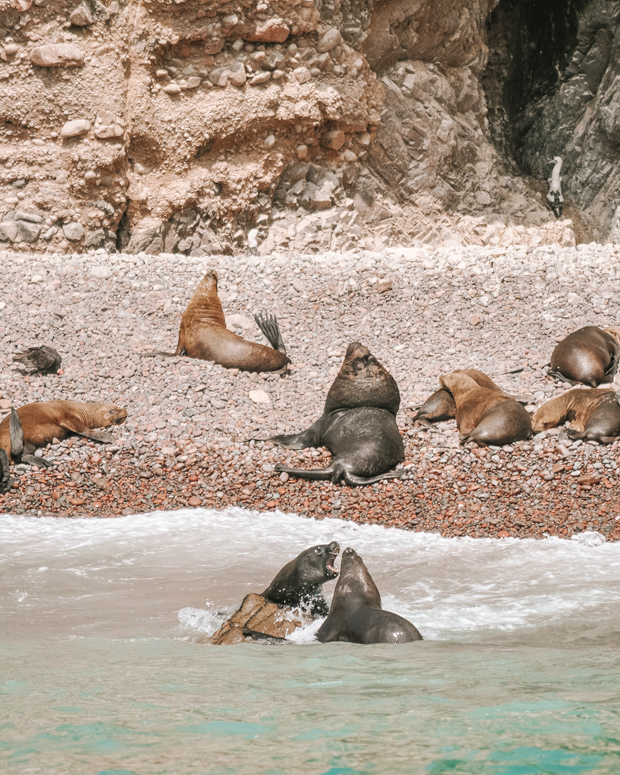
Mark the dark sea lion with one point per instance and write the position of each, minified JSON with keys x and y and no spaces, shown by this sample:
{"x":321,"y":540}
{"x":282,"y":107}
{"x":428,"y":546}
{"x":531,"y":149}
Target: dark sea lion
{"x":485,"y":415}
{"x":589,"y":355}
{"x":358,"y":425}
{"x":300,"y":581}
{"x":294,"y":598}
{"x":593,"y":414}
{"x":203,"y":334}
{"x":356,"y":615}
{"x":35,"y":425}
{"x":440,"y":406}
{"x":42,"y":360}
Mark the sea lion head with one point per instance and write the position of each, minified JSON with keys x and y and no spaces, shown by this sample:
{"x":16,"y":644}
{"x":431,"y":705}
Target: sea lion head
{"x":208,"y":284}
{"x":355,"y":584}
{"x":315,"y":565}
{"x":458,"y":382}
{"x":362,"y":381}
{"x":108,"y":414}
{"x":614,"y":331}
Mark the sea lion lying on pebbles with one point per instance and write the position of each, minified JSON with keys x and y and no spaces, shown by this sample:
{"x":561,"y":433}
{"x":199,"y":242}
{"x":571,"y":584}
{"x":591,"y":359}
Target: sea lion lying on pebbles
{"x":38,"y":424}
{"x":589,"y":355}
{"x":358,"y":425}
{"x":203,"y":334}
{"x":440,"y":406}
{"x":486,"y":415}
{"x":356,"y":615}
{"x":293,"y":599}
{"x":593,"y":414}
{"x":42,"y":360}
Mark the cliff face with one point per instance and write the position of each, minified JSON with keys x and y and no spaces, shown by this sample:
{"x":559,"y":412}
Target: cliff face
{"x":209,"y":126}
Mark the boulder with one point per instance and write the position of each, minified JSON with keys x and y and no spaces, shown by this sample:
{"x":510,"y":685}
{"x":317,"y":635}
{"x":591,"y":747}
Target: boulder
{"x":260,"y":616}
{"x":73,"y":231}
{"x":273,"y":30}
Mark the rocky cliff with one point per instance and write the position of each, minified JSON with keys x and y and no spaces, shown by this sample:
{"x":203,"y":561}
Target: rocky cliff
{"x":199,"y":127}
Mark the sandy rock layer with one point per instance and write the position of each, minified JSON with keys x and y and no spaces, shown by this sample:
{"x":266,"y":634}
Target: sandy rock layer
{"x":421,"y":312}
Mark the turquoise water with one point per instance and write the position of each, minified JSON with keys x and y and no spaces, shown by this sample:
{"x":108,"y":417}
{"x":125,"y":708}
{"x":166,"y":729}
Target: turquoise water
{"x":100,"y":671}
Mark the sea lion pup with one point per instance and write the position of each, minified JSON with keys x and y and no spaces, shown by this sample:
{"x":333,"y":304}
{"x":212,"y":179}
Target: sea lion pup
{"x":593,"y":414}
{"x":35,"y":425}
{"x":44,"y":360}
{"x":358,"y":425}
{"x":203,"y":334}
{"x":356,"y":615}
{"x":440,"y":406}
{"x":484,"y":415}
{"x":298,"y":585}
{"x":589,"y":355}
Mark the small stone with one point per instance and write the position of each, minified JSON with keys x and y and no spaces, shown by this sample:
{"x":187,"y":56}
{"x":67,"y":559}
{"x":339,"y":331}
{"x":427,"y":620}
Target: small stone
{"x":302,"y":74}
{"x":8,"y":231}
{"x":384,"y":285}
{"x":301,"y":152}
{"x":260,"y":78}
{"x":36,"y":278}
{"x":273,"y":30}
{"x":108,"y":124}
{"x":73,"y":231}
{"x":259,"y":397}
{"x":193,"y":82}
{"x":269,"y":141}
{"x":100,"y":272}
{"x":329,"y":40}
{"x":172,"y":88}
{"x":29,"y":232}
{"x":474,"y":320}
{"x":81,"y":16}
{"x":334,"y":139}
{"x":78,"y":126}
{"x":194,"y":501}
{"x":57,"y":55}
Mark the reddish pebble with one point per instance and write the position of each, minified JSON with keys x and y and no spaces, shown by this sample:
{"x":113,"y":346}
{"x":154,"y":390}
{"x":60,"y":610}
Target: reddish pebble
{"x":56,"y":495}
{"x":503,"y":534}
{"x":474,"y":320}
{"x":194,"y":501}
{"x":76,"y":501}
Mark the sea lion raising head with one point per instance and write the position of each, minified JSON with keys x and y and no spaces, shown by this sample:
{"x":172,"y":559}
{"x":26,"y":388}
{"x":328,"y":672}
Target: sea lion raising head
{"x":358,"y":425}
{"x":486,"y":416}
{"x":356,"y":615}
{"x":589,"y":355}
{"x":203,"y":334}
{"x":593,"y":414}
{"x":38,"y":424}
{"x":300,"y":581}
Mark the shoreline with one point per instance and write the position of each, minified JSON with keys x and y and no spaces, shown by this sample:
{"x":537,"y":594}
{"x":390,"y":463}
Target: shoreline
{"x":421,"y":312}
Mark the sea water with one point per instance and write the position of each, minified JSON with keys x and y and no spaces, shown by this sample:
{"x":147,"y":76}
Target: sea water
{"x":101,"y":670}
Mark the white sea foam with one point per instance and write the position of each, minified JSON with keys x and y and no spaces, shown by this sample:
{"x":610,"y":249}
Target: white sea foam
{"x":166,"y":573}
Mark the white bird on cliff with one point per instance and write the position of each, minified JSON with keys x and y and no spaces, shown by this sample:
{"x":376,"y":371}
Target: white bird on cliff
{"x":554,"y":197}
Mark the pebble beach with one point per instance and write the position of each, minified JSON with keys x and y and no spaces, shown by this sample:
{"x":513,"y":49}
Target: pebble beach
{"x":189,"y":436}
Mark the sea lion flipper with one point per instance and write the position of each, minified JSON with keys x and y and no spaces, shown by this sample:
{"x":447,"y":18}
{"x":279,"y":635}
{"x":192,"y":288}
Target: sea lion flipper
{"x":268,"y":324}
{"x":33,"y":460}
{"x":308,"y":438}
{"x":16,"y":435}
{"x":261,"y":636}
{"x":5,"y":481}
{"x":358,"y":481}
{"x":316,"y":474}
{"x":103,"y":436}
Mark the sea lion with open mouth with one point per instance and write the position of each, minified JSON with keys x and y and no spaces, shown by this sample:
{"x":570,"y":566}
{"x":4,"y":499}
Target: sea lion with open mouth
{"x":358,"y":425}
{"x":292,"y":600}
{"x":356,"y":615}
{"x":486,"y":416}
{"x":589,"y":355}
{"x":203,"y":334}
{"x":593,"y":414}
{"x":35,"y":425}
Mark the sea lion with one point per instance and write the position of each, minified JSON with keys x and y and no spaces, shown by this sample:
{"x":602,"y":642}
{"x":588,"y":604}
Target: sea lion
{"x":358,"y":425}
{"x":440,"y":406}
{"x":593,"y":414}
{"x":485,"y":415}
{"x":44,"y":360}
{"x":203,"y":334}
{"x":35,"y":425}
{"x":589,"y":355}
{"x":356,"y":615}
{"x":294,"y":598}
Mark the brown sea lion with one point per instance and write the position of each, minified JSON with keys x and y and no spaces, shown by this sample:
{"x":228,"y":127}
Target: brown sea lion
{"x":203,"y":334}
{"x":358,"y":425}
{"x":440,"y":406}
{"x":294,"y":598}
{"x":485,"y":415}
{"x":42,"y":360}
{"x":356,"y":615}
{"x":589,"y":355}
{"x":35,"y":425}
{"x":593,"y":414}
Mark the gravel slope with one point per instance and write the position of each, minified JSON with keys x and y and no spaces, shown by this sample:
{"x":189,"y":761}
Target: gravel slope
{"x":421,"y":312}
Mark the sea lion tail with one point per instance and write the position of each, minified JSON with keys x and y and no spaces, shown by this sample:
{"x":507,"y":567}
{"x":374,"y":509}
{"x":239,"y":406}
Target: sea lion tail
{"x":268,"y":324}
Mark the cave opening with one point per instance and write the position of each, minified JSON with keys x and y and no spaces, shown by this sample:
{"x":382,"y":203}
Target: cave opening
{"x":551,"y":90}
